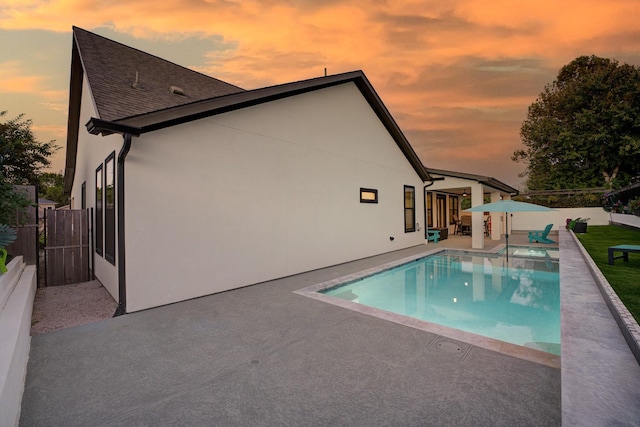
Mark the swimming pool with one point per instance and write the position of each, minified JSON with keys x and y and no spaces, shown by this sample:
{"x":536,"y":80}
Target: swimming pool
{"x":479,"y":293}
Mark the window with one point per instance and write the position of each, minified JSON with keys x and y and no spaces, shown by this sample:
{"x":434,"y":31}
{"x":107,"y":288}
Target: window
{"x":98,"y":227}
{"x":109,"y":209}
{"x":429,"y":209}
{"x":84,"y":195}
{"x":409,"y":208}
{"x":441,"y":211}
{"x":368,"y":195}
{"x":454,"y":209}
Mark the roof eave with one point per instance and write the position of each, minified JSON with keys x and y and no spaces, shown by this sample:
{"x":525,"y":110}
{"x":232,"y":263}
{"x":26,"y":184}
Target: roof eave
{"x":484,"y":180}
{"x":73,"y":120}
{"x":104,"y":127}
{"x":186,"y":113}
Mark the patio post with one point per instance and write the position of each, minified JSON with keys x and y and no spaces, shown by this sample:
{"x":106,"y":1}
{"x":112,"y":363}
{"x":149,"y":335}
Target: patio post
{"x":477,"y":218}
{"x":496,"y":218}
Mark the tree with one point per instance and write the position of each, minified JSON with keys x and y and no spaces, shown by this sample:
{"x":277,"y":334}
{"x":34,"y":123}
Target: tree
{"x":583,"y":130}
{"x":13,"y":204}
{"x":22,"y":157}
{"x":51,"y":186}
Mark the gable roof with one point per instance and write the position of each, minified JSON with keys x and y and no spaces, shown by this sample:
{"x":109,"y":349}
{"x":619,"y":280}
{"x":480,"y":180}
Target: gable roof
{"x":111,"y":69}
{"x":221,"y":98}
{"x":484,"y":180}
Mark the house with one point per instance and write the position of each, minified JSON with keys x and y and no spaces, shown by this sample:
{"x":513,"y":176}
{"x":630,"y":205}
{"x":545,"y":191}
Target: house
{"x":43,"y":205}
{"x":197,"y":186}
{"x":443,"y":203}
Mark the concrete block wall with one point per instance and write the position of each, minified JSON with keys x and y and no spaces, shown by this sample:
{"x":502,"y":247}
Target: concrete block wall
{"x":17,"y":292}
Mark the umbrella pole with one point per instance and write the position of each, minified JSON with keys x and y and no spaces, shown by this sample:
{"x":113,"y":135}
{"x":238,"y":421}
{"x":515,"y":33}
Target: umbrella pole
{"x":507,"y":234}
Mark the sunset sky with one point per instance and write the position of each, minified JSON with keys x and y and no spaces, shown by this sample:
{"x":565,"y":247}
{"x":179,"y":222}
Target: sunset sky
{"x":457,"y":76}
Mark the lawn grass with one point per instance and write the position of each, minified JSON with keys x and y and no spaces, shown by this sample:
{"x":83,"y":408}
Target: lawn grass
{"x":624,"y":277}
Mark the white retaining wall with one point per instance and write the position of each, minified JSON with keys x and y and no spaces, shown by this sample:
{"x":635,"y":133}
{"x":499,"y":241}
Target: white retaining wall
{"x":17,"y":292}
{"x":626,"y":219}
{"x":538,"y":220}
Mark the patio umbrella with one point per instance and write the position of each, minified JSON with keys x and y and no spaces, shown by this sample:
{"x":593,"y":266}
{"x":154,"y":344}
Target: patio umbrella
{"x":509,"y":206}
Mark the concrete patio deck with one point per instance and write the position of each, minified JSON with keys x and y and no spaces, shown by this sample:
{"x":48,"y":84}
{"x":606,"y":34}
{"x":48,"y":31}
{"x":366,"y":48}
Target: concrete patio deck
{"x":263,"y":355}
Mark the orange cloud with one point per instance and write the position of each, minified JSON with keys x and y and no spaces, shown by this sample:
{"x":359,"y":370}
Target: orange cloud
{"x":13,"y":79}
{"x":57,"y":132}
{"x":454,"y":74}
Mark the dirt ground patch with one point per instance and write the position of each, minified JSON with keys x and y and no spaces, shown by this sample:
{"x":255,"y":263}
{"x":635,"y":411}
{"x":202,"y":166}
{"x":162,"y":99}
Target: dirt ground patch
{"x":59,"y":307}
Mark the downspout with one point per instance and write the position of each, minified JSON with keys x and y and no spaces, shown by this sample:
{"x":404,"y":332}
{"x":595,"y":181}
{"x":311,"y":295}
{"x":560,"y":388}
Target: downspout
{"x":122,"y":277}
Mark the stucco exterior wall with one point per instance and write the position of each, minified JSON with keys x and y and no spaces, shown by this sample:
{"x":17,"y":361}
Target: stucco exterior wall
{"x":263,"y":192}
{"x":92,"y":151}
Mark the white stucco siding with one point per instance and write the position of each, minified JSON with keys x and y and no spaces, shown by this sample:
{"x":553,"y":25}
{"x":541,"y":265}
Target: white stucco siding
{"x":260,"y":193}
{"x":92,"y":151}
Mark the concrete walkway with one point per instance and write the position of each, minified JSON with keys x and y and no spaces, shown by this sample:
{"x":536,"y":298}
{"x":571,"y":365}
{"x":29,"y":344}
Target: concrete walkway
{"x":600,"y":375}
{"x":263,"y":355}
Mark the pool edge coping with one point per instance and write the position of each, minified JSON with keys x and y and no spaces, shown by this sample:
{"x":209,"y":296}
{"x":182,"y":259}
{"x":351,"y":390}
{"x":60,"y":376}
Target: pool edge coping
{"x":509,"y":349}
{"x":626,"y":322}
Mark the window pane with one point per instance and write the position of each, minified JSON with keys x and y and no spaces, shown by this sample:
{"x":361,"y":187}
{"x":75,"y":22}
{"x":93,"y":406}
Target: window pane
{"x":110,"y":211}
{"x":408,"y":217}
{"x":98,"y":221}
{"x":429,"y":209}
{"x":454,"y":211}
{"x":409,"y":208}
{"x":368,"y":195}
{"x":83,"y":196}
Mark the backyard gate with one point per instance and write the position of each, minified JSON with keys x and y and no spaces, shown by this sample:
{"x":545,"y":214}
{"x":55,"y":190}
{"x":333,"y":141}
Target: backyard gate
{"x":67,"y":250}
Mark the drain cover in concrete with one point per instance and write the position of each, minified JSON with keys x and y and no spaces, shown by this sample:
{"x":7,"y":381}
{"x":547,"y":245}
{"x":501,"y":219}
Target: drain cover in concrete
{"x":449,"y":347}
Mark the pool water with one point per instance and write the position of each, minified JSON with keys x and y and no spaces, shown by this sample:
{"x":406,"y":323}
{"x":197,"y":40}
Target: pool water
{"x":517,"y":302}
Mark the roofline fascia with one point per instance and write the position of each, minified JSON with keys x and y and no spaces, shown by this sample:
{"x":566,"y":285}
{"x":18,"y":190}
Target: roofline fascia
{"x":154,"y":121}
{"x":97,"y":126}
{"x":494,"y":183}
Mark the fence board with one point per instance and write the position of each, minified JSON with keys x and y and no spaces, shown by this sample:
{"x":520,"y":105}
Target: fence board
{"x":26,"y":243}
{"x":67,"y":247}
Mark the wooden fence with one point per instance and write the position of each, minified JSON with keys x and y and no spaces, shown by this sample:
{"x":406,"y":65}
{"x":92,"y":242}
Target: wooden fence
{"x":26,"y":245}
{"x":66,"y":252}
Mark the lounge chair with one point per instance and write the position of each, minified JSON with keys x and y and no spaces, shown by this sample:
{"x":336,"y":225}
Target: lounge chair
{"x":541,"y":236}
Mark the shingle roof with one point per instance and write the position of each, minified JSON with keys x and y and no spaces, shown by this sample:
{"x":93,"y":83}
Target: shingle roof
{"x":111,"y":70}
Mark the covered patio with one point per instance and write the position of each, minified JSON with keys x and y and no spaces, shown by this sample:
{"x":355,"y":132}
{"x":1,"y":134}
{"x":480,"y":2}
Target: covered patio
{"x":444,"y":206}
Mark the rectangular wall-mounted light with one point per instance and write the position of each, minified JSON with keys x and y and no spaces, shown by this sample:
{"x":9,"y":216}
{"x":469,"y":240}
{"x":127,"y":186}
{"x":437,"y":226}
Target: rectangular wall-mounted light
{"x":368,"y":195}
